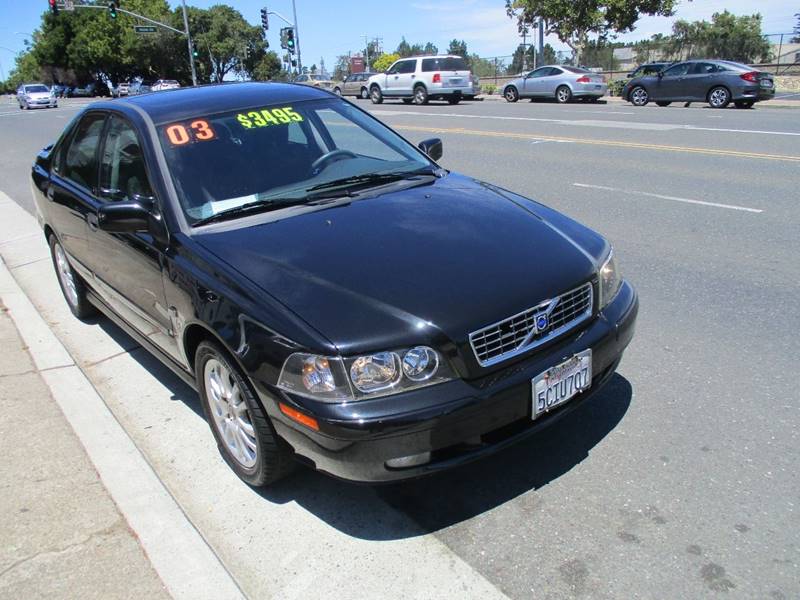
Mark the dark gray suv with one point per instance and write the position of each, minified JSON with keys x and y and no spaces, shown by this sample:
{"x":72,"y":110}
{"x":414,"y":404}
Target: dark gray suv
{"x":718,"y":82}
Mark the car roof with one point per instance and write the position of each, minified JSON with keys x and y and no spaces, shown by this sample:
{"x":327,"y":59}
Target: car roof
{"x":186,"y":102}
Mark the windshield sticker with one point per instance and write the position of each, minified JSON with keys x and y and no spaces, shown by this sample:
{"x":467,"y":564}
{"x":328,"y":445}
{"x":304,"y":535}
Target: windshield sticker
{"x":268,"y":117}
{"x":180,"y":134}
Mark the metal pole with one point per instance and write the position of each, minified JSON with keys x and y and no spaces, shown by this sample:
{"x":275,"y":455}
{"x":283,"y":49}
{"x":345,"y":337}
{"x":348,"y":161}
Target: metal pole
{"x":296,"y":38}
{"x":780,"y":50}
{"x":189,"y":43}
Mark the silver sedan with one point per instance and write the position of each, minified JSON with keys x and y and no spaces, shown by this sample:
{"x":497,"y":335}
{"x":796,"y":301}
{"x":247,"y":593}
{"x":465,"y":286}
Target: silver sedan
{"x":561,"y":82}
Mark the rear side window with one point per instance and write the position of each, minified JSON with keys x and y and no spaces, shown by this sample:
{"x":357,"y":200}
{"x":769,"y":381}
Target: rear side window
{"x":575,"y":69}
{"x":80,"y":158}
{"x":705,"y":68}
{"x":678,"y":70}
{"x":444,"y":64}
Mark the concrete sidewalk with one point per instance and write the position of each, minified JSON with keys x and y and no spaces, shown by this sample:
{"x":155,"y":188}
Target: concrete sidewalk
{"x":62,"y":534}
{"x":615,"y":100}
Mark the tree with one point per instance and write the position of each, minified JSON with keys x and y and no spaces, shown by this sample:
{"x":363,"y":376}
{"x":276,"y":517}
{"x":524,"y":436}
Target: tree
{"x":600,"y":53}
{"x":726,"y":36}
{"x":384,"y":61}
{"x":403,"y":48}
{"x":573,"y":22}
{"x":458,"y":48}
{"x":222,"y":38}
{"x":342,"y":68}
{"x":267,"y":68}
{"x":430,"y":48}
{"x":796,"y":39}
{"x":372,"y":52}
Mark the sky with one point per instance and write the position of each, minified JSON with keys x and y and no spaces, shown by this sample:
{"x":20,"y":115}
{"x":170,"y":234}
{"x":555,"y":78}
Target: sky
{"x":328,"y":28}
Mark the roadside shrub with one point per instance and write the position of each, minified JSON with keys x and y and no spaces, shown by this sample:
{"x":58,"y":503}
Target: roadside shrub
{"x":615,"y":87}
{"x":488,"y":88}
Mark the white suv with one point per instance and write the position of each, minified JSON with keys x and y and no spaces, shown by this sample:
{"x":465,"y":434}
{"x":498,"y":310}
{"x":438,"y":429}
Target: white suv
{"x":422,"y":78}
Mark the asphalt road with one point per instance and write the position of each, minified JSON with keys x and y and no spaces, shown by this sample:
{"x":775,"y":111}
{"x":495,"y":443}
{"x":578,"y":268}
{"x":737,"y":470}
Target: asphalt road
{"x":680,"y":478}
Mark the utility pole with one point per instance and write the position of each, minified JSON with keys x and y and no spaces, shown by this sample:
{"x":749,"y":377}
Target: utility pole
{"x":297,"y":38}
{"x":189,"y":43}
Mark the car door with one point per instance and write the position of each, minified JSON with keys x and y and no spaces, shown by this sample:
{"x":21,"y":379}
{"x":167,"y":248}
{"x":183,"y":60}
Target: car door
{"x":349,"y":88}
{"x":699,"y":80}
{"x":400,"y":81}
{"x":73,"y":181}
{"x":128,"y":266}
{"x":672,"y":84}
{"x":551,"y":80}
{"x":533,"y":82}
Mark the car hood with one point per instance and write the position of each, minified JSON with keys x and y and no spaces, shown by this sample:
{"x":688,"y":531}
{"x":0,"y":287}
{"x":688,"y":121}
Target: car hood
{"x":426,"y":264}
{"x":38,"y":95}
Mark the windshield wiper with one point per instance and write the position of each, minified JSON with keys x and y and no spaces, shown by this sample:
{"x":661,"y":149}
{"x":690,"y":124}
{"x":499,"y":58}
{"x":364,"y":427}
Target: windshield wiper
{"x":255,"y":207}
{"x":371,"y":178}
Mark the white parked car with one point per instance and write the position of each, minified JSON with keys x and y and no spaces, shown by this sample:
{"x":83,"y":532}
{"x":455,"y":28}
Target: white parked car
{"x":36,"y":95}
{"x":422,"y":78}
{"x":165,"y":84}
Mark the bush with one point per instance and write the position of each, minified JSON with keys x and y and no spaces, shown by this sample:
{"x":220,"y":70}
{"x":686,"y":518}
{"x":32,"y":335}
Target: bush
{"x":615,"y":87}
{"x":489,"y":89}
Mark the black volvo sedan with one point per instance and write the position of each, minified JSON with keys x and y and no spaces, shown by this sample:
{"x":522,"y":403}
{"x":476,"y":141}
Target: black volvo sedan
{"x":333,"y":294}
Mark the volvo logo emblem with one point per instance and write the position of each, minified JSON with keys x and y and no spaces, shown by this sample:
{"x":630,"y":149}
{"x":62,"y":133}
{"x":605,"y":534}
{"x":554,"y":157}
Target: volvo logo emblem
{"x":542,"y":322}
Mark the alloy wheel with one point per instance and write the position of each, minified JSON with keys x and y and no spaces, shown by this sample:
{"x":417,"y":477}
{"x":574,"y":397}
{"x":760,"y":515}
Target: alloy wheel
{"x":230,"y":414}
{"x":719,"y":97}
{"x":511,"y":95}
{"x":364,"y":93}
{"x":563,"y":94}
{"x":639,"y":96}
{"x":66,"y":276}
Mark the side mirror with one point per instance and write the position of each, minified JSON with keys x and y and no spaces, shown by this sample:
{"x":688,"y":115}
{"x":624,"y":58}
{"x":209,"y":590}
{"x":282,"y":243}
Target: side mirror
{"x":629,"y":75}
{"x":432,"y":147}
{"x":661,"y":74}
{"x":125,"y":217}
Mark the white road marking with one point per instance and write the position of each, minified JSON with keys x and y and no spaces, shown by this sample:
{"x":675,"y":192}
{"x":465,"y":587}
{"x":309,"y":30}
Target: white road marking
{"x":584,"y":122}
{"x":663,"y":197}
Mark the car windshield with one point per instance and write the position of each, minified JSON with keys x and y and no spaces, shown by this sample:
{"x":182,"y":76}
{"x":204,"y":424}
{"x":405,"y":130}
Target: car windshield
{"x":318,"y":78}
{"x":36,"y":89}
{"x":281,"y":153}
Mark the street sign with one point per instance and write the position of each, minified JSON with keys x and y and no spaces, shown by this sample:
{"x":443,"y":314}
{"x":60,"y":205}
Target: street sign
{"x":66,"y":5}
{"x":144,"y":28}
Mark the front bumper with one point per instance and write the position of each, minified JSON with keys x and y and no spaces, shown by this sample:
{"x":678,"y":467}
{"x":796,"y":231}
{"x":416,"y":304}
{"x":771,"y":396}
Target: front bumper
{"x":456,"y":422}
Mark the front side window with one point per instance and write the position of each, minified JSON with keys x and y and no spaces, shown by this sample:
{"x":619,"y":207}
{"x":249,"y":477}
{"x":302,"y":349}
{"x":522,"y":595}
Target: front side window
{"x":542,"y":72}
{"x":80,"y":158}
{"x":278,"y":154}
{"x":123,"y":175}
{"x":406,"y":66}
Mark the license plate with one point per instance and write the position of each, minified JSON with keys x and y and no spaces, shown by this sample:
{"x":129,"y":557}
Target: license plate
{"x":455,"y":81}
{"x":560,"y":383}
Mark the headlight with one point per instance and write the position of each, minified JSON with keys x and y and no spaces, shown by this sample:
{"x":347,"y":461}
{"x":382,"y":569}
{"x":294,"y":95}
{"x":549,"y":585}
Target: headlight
{"x":336,"y":379}
{"x":610,"y":280}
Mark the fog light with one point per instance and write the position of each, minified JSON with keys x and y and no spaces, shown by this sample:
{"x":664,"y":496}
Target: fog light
{"x":409,"y":461}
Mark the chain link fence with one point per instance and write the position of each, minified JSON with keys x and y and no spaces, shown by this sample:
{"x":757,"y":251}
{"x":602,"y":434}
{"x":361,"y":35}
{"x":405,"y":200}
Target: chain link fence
{"x":777,"y":54}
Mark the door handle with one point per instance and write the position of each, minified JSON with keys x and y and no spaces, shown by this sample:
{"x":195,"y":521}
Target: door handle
{"x":91,"y":220}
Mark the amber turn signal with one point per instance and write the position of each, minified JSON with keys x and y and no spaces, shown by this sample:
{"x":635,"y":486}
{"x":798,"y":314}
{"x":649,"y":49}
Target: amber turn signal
{"x":296,"y":415}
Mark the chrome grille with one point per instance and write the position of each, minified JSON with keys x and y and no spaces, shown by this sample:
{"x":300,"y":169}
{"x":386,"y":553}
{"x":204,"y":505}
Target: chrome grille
{"x":520,"y":333}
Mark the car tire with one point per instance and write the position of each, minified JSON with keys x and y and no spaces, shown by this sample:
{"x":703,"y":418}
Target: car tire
{"x":453,"y":100}
{"x":420,"y":95}
{"x":243,"y":432}
{"x":375,"y":95}
{"x":744,"y":103}
{"x":69,"y":281}
{"x":511,"y":94}
{"x":337,"y":91}
{"x":719,"y":97}
{"x":663,"y":103}
{"x":364,"y":93}
{"x":563,"y":94}
{"x":639,"y":96}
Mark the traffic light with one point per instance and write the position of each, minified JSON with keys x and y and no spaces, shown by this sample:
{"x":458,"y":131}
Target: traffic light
{"x":264,"y":19}
{"x":290,"y":39}
{"x":284,"y":37}
{"x":112,"y":10}
{"x":53,"y":6}
{"x":194,"y":50}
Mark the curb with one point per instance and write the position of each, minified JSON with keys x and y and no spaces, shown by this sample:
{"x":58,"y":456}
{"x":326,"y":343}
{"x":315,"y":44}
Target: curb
{"x":186,"y":564}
